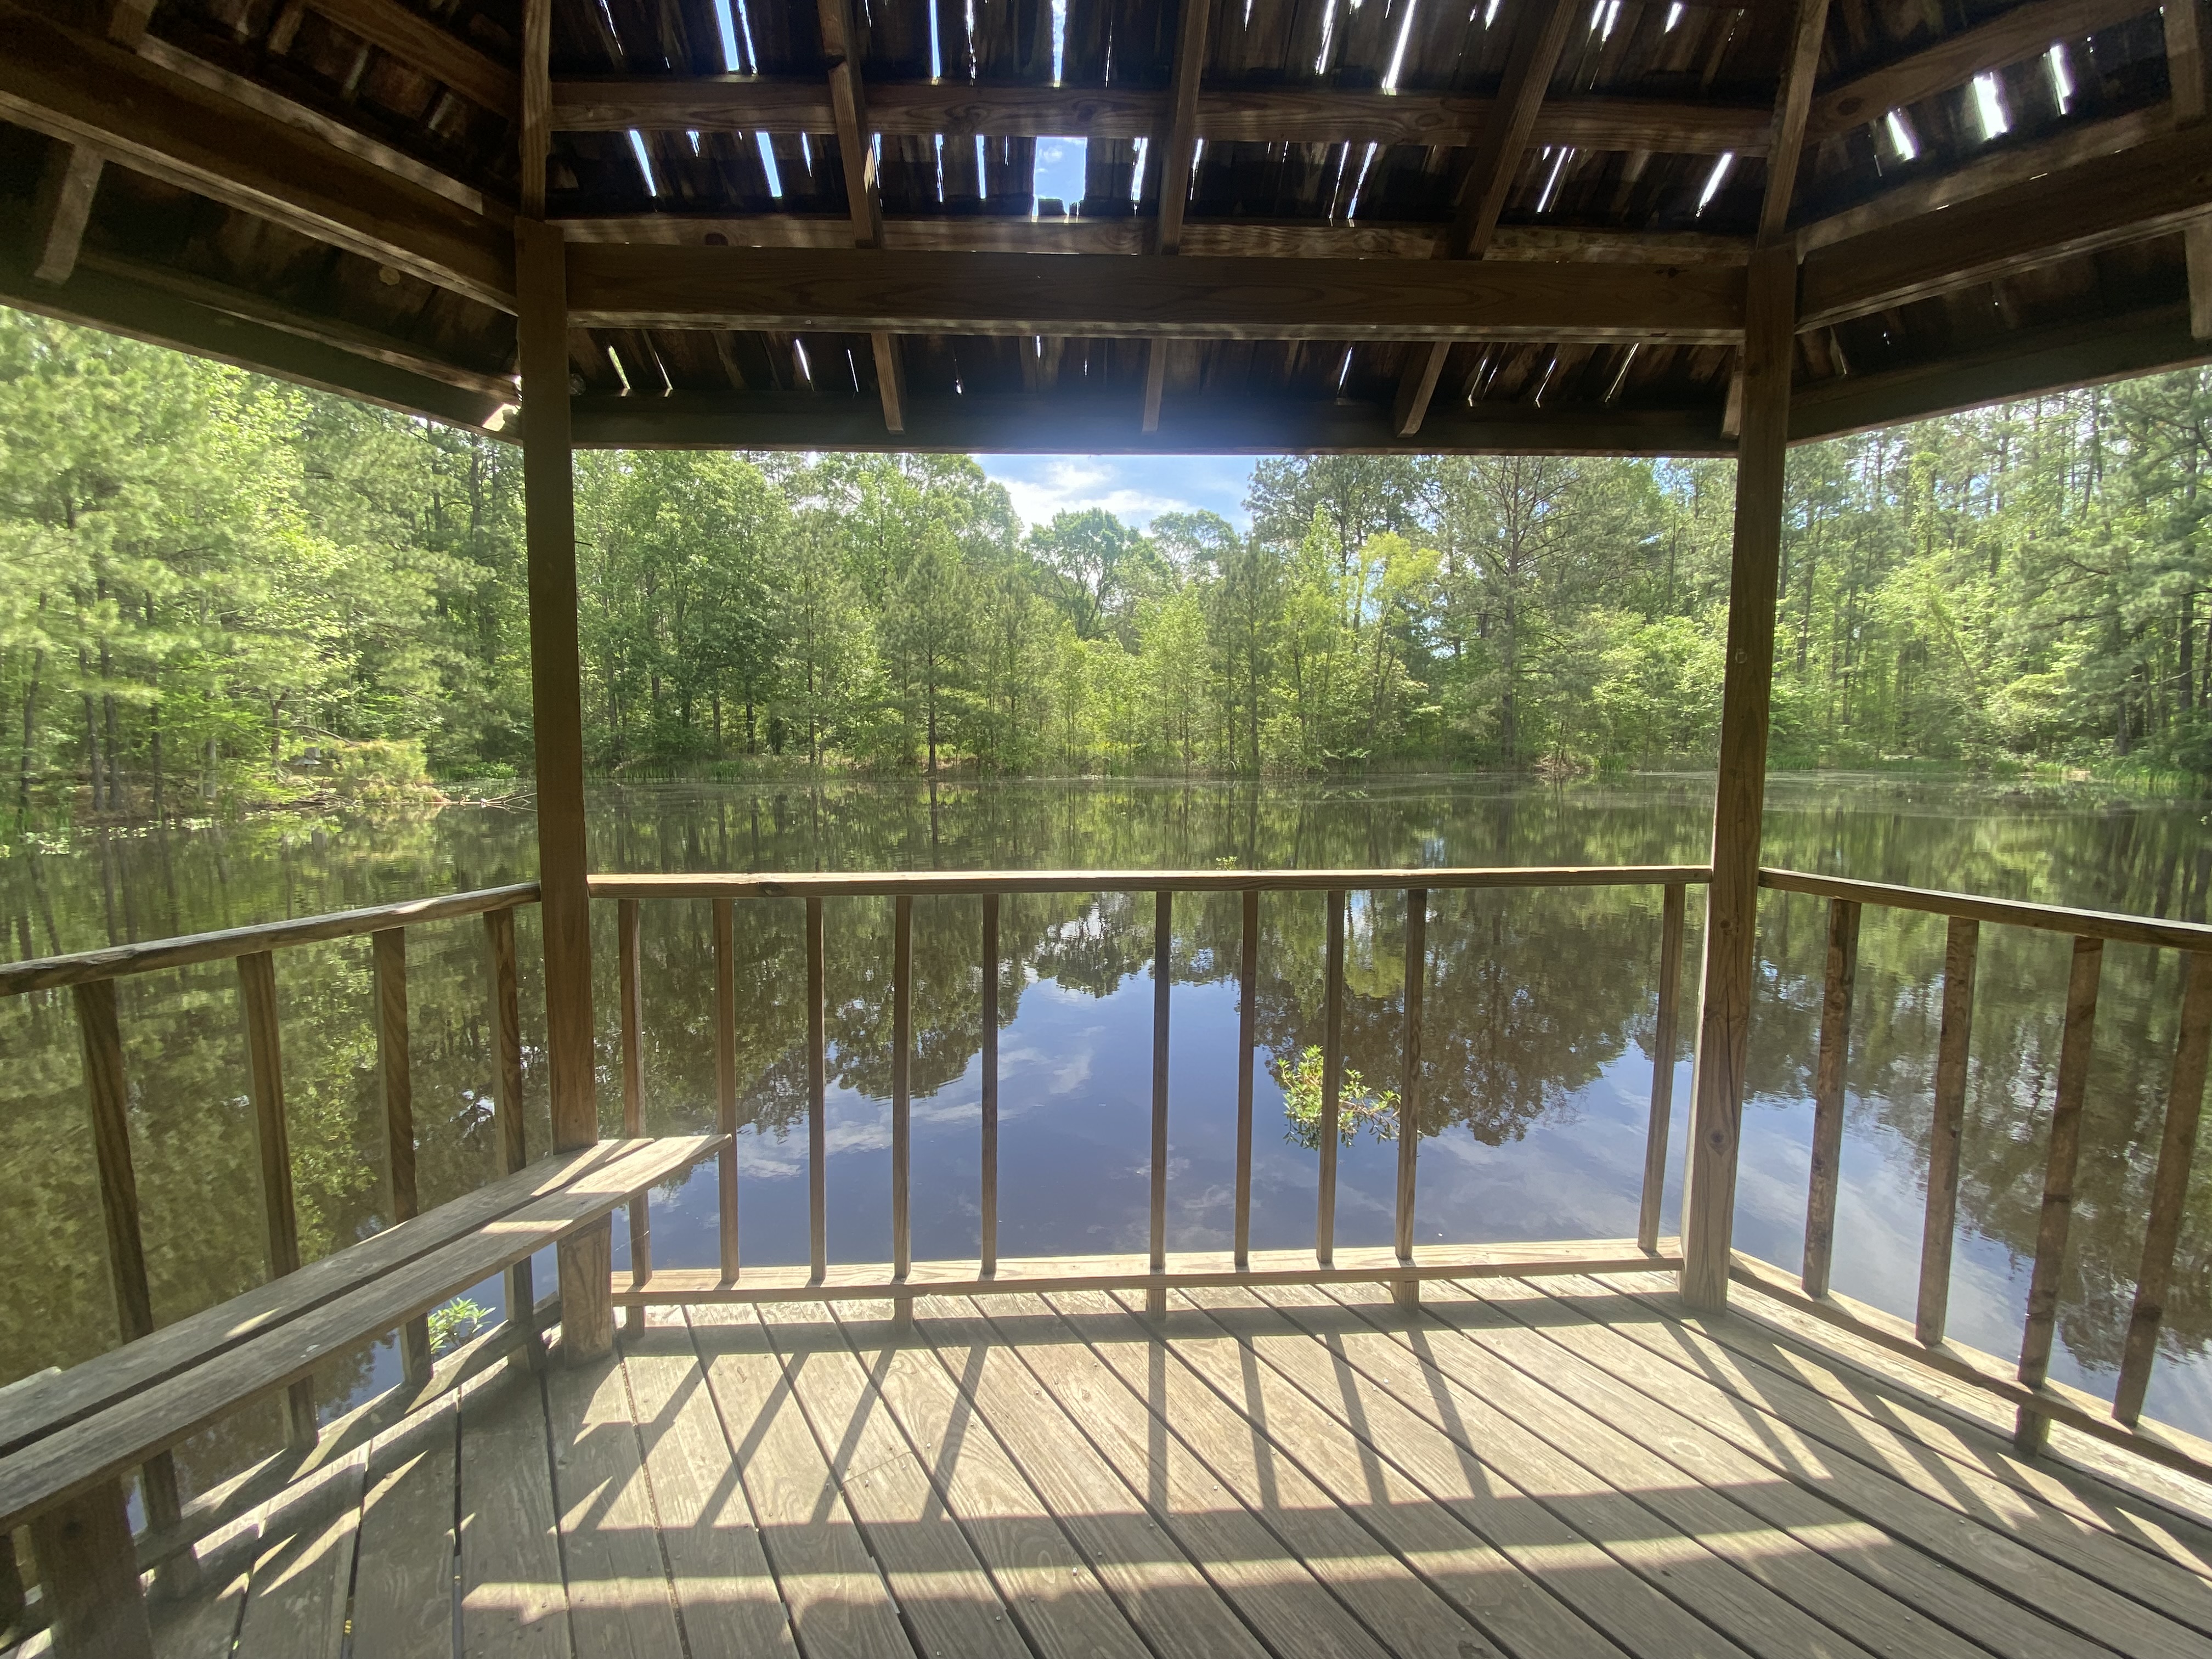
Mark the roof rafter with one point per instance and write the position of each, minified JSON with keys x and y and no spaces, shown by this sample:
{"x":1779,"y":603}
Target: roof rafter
{"x":1175,"y":162}
{"x":863,"y":189}
{"x":91,"y":93}
{"x":1488,"y":180}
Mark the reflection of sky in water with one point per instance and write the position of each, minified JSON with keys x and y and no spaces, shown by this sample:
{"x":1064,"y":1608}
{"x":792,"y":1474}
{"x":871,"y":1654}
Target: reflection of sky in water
{"x":1075,"y":1098}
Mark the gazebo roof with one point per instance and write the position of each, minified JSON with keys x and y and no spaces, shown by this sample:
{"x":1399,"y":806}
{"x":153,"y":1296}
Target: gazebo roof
{"x":1988,"y":201}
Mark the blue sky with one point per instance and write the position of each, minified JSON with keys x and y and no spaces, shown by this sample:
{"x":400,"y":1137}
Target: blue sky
{"x":1133,"y":488}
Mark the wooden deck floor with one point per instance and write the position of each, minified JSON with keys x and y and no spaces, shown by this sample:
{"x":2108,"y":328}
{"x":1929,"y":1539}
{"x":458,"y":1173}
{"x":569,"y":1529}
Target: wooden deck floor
{"x":1561,"y":1467}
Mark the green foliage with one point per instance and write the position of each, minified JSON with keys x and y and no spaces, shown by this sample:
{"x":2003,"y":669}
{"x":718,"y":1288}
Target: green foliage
{"x":209,"y":574}
{"x":384,"y":773}
{"x":455,"y":1323}
{"x":1358,"y":1106}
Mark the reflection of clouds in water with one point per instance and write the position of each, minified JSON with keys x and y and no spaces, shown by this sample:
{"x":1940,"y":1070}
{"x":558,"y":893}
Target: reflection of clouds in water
{"x":1067,"y":1071}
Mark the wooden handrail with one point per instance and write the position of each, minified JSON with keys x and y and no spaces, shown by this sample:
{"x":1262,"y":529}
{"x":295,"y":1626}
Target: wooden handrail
{"x":87,"y":967}
{"x":858,"y":883}
{"x":2011,"y":913}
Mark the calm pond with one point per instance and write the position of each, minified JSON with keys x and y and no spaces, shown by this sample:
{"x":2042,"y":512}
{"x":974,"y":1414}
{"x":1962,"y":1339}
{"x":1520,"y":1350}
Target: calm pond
{"x":1538,"y":1075}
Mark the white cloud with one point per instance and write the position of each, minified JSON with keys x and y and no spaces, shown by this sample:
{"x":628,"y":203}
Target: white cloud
{"x":1075,"y":485}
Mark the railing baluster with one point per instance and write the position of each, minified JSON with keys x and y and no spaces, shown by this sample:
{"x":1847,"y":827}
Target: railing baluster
{"x":1156,"y":1296}
{"x":1828,"y":1094}
{"x":989,"y":1196}
{"x":1247,"y":1015}
{"x":264,"y":1065}
{"x":1940,"y":1224}
{"x":1407,"y":1293}
{"x":817,"y":1080}
{"x":902,"y":1096}
{"x":107,"y":1095}
{"x":725,"y":1078}
{"x":2185,"y":1104}
{"x":1663,"y":1039}
{"x":388,"y":954}
{"x":2032,"y":1428}
{"x":1332,"y":1079}
{"x":511,"y":1145}
{"x":629,"y":996}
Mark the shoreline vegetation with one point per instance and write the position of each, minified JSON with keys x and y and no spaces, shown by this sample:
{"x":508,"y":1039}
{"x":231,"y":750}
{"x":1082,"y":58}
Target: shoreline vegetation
{"x":223,"y":596}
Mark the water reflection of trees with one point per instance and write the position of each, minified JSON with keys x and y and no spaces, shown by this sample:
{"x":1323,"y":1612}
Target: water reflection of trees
{"x":1531,"y":994}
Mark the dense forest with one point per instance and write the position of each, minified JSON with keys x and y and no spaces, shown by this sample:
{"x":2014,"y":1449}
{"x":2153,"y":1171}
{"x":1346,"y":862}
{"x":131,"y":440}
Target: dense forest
{"x":213,"y":586}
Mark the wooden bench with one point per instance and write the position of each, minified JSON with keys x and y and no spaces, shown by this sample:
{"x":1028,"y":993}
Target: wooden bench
{"x":70,"y":1439}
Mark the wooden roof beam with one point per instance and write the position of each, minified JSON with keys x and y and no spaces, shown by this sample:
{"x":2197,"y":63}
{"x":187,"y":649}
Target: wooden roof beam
{"x":63,"y":206}
{"x":746,"y":103}
{"x":2184,"y":76}
{"x":1487,"y":181}
{"x":863,"y":190}
{"x":91,"y":93}
{"x":864,"y":291}
{"x":1178,"y":153}
{"x":2025,"y":31}
{"x":402,"y":33}
{"x":2156,"y":188}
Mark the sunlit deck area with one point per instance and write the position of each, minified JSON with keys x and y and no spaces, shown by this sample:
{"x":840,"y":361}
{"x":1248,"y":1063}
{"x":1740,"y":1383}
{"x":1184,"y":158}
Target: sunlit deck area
{"x":1563,"y":1466}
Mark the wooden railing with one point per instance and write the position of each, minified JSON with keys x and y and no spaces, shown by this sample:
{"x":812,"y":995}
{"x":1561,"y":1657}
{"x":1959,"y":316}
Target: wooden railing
{"x":1403,"y":1265}
{"x":2027,"y":1386}
{"x":90,"y":977}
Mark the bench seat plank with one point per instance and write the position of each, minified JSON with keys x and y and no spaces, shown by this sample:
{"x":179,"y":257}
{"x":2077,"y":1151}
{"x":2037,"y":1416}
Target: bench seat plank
{"x":41,"y":1404}
{"x":80,"y":1454}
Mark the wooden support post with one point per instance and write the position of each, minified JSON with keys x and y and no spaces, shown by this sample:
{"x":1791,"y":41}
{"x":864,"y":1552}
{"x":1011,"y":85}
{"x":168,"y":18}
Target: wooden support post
{"x":2169,"y":1192}
{"x":88,"y":1577}
{"x":1407,"y":1293}
{"x":726,"y":1080}
{"x":388,"y":951}
{"x":1828,"y":1093}
{"x":1939,"y":1226}
{"x":1732,"y":898}
{"x":510,"y":1145}
{"x":1248,"y":1017}
{"x":1663,"y":1041}
{"x":107,"y":1095}
{"x":556,"y":721}
{"x":901,"y":1099}
{"x":988,"y":1243}
{"x":264,"y":1065}
{"x":2031,"y":1430}
{"x":1156,"y":1298}
{"x":856,"y":149}
{"x":629,"y":997}
{"x":1332,"y":1077}
{"x":817,"y":1071}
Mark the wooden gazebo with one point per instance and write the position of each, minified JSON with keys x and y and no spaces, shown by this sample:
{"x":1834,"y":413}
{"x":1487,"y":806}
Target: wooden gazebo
{"x":1636,"y":227}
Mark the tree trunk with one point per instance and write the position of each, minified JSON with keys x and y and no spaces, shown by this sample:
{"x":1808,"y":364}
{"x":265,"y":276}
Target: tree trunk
{"x":30,"y":735}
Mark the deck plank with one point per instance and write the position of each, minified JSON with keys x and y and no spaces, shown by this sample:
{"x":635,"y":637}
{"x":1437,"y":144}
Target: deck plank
{"x":205,"y":1627}
{"x":1829,"y":1402}
{"x":1804,"y":1582}
{"x":1405,"y":1614}
{"x":403,"y":1601}
{"x":514,"y":1604}
{"x":838,"y":1602}
{"x":620,"y":1605}
{"x":1456,"y":1562}
{"x":950,"y":1604}
{"x":2073,"y":1610}
{"x":1615,"y":1565}
{"x":1057,"y":1600}
{"x":1805,"y":1510}
{"x":295,"y":1606}
{"x":724,"y":1592}
{"x":1275,"y":1592}
{"x":1168,"y":1599}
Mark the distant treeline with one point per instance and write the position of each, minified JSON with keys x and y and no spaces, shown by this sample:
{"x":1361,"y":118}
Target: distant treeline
{"x":211,"y":586}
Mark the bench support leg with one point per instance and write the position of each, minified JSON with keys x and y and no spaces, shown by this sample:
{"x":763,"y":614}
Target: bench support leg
{"x":88,"y":1575}
{"x":587,"y":1303}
